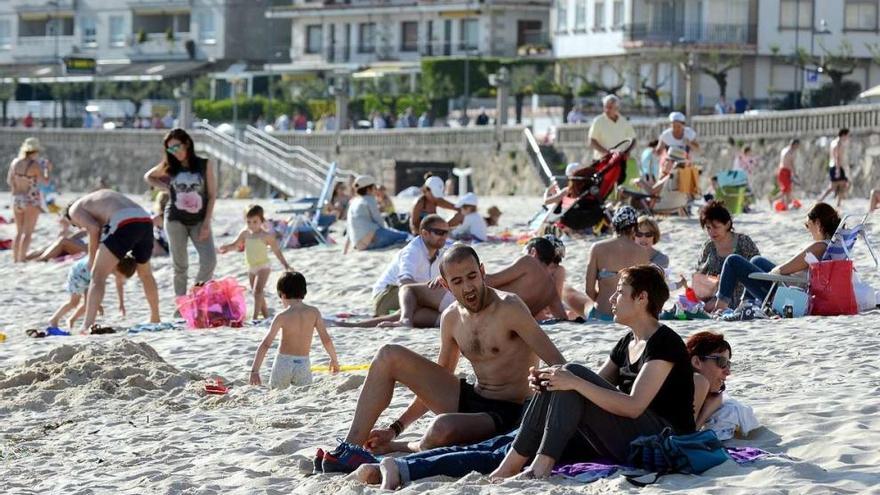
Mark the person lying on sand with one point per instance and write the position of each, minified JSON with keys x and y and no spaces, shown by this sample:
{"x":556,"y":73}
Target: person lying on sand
{"x":710,"y":359}
{"x":117,"y":226}
{"x":528,"y":277}
{"x":491,"y":329}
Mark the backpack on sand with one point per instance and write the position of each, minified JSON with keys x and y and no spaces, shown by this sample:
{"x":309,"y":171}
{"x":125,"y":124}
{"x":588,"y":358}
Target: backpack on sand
{"x":666,"y":453}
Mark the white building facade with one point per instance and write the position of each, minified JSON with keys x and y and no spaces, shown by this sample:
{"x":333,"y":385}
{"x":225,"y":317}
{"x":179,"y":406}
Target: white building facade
{"x":45,"y":31}
{"x":638,"y":41}
{"x":353,"y":35}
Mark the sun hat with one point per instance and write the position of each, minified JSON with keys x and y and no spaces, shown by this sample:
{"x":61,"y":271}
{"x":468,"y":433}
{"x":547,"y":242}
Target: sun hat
{"x":624,"y":217}
{"x":469,"y":199}
{"x":677,"y":117}
{"x":363,"y":181}
{"x":573,"y":168}
{"x":435,"y":185}
{"x":29,"y":145}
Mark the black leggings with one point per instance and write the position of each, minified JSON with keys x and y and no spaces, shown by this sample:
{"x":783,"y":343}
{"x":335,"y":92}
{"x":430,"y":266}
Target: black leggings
{"x":552,"y":419}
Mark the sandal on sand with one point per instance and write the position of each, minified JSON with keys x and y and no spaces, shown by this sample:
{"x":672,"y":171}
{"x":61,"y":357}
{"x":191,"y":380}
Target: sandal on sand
{"x":36,"y":333}
{"x":214,"y":386}
{"x":97,"y":329}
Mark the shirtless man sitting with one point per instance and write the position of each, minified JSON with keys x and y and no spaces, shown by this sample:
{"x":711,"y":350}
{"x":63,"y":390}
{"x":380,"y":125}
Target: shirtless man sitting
{"x":530,"y":277}
{"x":116,"y":226}
{"x":491,"y":329}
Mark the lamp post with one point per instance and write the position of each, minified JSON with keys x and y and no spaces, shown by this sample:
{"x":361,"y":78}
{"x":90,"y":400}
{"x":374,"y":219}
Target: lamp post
{"x":797,"y":31}
{"x":55,"y":4}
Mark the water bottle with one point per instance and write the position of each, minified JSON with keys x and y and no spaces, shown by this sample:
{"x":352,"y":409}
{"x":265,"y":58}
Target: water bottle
{"x":788,"y":311}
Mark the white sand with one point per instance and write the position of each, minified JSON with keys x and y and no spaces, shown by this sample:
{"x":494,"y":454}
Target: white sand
{"x":108,"y":414}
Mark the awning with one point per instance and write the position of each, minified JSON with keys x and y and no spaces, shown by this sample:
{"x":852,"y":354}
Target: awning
{"x":376,"y":71}
{"x":121,"y":72}
{"x":875,"y":91}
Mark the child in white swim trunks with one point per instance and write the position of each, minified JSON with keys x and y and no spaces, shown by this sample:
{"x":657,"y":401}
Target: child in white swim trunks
{"x":78,"y":280}
{"x":297,"y":324}
{"x":256,"y":241}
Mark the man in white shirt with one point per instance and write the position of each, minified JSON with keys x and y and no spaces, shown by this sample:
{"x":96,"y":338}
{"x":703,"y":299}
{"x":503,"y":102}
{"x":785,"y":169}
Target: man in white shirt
{"x":610,"y":128}
{"x":417,"y":262}
{"x":473,"y":226}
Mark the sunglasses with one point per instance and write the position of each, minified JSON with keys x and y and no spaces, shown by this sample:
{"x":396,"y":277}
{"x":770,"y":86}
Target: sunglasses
{"x":722,"y":362}
{"x":438,"y":232}
{"x":174,"y":148}
{"x":644,"y":234}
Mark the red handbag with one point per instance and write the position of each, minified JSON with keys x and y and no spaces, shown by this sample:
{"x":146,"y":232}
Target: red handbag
{"x":831,"y":288}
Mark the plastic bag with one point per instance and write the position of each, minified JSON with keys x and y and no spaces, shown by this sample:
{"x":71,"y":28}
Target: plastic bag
{"x":831,"y":288}
{"x":218,"y":303}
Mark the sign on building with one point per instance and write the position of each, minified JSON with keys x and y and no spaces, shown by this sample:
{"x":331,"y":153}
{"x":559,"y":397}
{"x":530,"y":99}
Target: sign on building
{"x":79,"y":66}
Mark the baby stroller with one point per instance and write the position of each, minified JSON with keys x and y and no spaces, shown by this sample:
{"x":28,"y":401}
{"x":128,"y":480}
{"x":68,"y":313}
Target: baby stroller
{"x":584,"y":207}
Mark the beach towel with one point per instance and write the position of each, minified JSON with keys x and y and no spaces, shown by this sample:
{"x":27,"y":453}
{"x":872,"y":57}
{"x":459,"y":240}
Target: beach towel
{"x":5,"y":244}
{"x":156,"y":327}
{"x":588,"y":472}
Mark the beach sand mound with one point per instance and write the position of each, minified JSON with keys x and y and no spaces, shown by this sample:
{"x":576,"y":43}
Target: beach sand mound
{"x":80,"y":373}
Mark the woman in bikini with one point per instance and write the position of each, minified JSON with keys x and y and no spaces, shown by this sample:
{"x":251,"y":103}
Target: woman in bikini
{"x":606,"y":259}
{"x":24,"y":179}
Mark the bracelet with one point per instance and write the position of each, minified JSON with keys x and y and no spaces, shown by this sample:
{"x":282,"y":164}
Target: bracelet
{"x":397,"y":426}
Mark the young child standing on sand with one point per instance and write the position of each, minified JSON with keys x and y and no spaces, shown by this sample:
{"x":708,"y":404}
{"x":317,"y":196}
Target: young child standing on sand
{"x":296,"y":323}
{"x":255,"y":240}
{"x":78,"y":280}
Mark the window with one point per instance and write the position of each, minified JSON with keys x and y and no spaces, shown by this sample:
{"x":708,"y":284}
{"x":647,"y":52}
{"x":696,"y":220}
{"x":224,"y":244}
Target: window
{"x":117,"y":30}
{"x":470,"y":34}
{"x":88,"y":31}
{"x":207,"y":31}
{"x":367,"y":37}
{"x":796,"y":14}
{"x":529,"y":33}
{"x":599,"y":16}
{"x":314,"y":38}
{"x":5,"y":34}
{"x":561,"y":16}
{"x":409,"y":36}
{"x":617,"y":17}
{"x":861,"y":15}
{"x":580,"y":15}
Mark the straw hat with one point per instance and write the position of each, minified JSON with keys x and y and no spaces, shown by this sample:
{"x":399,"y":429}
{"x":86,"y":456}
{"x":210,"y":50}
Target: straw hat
{"x":29,"y":145}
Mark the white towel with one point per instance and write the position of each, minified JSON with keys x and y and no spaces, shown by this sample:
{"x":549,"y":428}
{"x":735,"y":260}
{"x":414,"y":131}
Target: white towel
{"x":732,"y":417}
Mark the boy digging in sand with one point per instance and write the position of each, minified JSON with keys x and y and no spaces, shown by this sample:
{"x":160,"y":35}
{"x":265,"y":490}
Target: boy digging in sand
{"x":296,"y":323}
{"x":78,"y":285}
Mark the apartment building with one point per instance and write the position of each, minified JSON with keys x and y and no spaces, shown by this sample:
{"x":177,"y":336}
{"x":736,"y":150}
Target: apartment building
{"x":393,"y":35}
{"x":129,"y":37}
{"x":633,"y":41}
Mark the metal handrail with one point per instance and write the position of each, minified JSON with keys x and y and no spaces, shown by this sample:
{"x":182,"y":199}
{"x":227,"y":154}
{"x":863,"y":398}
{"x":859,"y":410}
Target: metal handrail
{"x":268,"y":166}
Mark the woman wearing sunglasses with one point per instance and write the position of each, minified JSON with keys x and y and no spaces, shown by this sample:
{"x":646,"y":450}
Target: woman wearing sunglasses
{"x":710,"y":357}
{"x":192,"y":184}
{"x":822,"y":222}
{"x":647,"y":236}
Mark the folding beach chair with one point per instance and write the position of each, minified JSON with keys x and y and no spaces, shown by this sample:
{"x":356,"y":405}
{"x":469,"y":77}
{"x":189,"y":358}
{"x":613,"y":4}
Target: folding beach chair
{"x":840,"y":248}
{"x":307,"y":211}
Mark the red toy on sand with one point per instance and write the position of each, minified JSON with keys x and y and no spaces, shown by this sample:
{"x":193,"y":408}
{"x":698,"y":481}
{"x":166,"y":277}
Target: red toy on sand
{"x":779,"y":205}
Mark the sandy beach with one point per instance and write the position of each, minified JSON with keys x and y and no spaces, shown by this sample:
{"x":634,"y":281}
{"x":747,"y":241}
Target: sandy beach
{"x":125,"y":413}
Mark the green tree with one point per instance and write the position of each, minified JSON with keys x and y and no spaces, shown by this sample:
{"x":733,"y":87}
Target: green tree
{"x":716,"y":66}
{"x":835,"y":64}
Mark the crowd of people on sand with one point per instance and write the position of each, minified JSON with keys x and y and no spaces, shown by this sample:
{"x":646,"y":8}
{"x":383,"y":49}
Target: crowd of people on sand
{"x":519,"y":417}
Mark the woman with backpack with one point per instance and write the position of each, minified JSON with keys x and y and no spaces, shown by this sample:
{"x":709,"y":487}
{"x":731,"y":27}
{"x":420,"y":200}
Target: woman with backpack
{"x":645,"y":386}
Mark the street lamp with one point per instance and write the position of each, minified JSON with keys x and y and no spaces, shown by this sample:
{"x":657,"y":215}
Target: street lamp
{"x":55,"y":60}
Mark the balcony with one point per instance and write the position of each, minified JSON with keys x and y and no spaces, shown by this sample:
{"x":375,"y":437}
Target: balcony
{"x":157,"y":46}
{"x":650,"y":34}
{"x":42,"y":47}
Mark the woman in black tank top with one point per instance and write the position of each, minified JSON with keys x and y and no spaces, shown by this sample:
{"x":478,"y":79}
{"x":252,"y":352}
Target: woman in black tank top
{"x":192,"y":184}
